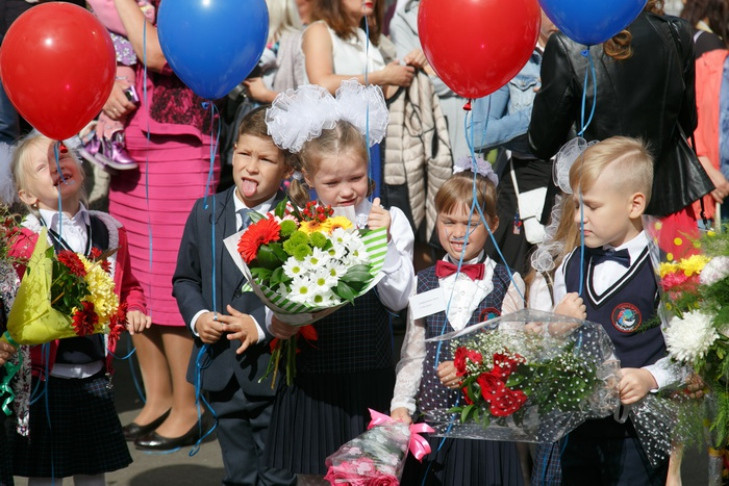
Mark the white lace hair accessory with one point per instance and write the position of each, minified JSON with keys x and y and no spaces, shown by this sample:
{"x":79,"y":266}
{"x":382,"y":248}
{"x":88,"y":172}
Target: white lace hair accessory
{"x":564,"y":159}
{"x":7,"y":187}
{"x":549,"y":249}
{"x":300,"y":115}
{"x":482,"y":167}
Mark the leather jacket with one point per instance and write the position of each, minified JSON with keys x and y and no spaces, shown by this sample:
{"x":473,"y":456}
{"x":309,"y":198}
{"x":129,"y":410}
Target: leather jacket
{"x":647,"y":96}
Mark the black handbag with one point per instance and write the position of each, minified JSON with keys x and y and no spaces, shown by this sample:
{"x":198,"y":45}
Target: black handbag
{"x":679,"y":179}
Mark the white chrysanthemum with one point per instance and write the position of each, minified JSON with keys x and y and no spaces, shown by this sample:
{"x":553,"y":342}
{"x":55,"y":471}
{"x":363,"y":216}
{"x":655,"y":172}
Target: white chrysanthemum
{"x":343,"y":236}
{"x":357,"y":252}
{"x":302,"y":290}
{"x":293,"y":268}
{"x":324,"y":299}
{"x":336,"y":269}
{"x":337,"y":250}
{"x":717,"y":269}
{"x":324,"y":280}
{"x":317,"y":259}
{"x":690,"y":338}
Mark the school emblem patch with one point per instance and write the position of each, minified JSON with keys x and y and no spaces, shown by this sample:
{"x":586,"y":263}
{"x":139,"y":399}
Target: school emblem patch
{"x":626,"y":318}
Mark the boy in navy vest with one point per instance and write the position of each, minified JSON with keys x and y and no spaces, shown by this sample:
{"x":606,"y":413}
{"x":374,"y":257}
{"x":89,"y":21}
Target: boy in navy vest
{"x":611,"y":184}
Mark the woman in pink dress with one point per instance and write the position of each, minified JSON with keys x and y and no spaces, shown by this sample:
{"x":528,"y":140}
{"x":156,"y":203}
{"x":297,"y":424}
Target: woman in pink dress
{"x":169,"y":138}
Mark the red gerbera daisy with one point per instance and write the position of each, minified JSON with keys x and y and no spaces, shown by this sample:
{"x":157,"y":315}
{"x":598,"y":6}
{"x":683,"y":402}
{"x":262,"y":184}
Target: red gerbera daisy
{"x":72,"y":262}
{"x":257,"y":234}
{"x":85,"y":319}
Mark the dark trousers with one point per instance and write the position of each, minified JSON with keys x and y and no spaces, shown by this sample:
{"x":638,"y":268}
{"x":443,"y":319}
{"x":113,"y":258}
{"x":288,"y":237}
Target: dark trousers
{"x":242,"y":433}
{"x":610,"y":460}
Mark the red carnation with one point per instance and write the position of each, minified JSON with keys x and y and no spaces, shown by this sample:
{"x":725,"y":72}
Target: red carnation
{"x":85,"y":319}
{"x":72,"y":262}
{"x":505,"y":365}
{"x":96,"y":257}
{"x":257,"y":234}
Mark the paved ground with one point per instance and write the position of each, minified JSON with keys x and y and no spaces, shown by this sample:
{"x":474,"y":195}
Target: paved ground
{"x":206,"y":468}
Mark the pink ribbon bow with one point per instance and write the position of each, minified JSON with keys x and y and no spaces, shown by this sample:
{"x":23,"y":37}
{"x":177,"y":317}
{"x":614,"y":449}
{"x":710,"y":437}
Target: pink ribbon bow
{"x":417,"y":445}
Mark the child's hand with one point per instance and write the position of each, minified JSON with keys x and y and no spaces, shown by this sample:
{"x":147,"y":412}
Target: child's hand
{"x":572,"y":305}
{"x":379,"y":217}
{"x":137,"y":321}
{"x":282,"y":330}
{"x":635,"y":384}
{"x":209,"y":327}
{"x":447,"y":375}
{"x":7,"y":351}
{"x":401,"y":415}
{"x":241,"y":327}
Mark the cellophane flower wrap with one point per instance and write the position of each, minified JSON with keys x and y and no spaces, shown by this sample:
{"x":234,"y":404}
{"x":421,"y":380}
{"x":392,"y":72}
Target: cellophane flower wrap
{"x":304,"y":264}
{"x":693,"y":277}
{"x":62,"y":296}
{"x":528,"y":376}
{"x":306,"y":261}
{"x":377,"y":456}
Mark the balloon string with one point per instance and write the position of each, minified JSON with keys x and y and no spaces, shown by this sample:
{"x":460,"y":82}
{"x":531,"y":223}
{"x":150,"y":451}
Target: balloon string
{"x":370,"y":171}
{"x":63,"y":181}
{"x":146,"y":171}
{"x":589,"y":72}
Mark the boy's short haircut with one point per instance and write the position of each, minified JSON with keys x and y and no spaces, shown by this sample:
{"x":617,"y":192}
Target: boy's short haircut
{"x":628,"y":156}
{"x":254,"y":124}
{"x":458,"y":189}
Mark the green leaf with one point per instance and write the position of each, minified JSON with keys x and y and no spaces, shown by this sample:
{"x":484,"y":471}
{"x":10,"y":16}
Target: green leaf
{"x":280,"y":210}
{"x":279,"y":251}
{"x":277,"y":277}
{"x":467,"y":411}
{"x":260,"y":273}
{"x":256,"y":216}
{"x":266,"y":258}
{"x":344,"y":291}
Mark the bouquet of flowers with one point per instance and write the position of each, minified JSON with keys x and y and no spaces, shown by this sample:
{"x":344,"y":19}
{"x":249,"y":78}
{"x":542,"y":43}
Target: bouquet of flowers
{"x":528,"y":376}
{"x":695,"y":306}
{"x":64,"y":295}
{"x":377,"y":457}
{"x":306,"y":263}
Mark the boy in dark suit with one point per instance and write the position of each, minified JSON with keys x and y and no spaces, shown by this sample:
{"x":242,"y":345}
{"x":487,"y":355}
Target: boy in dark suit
{"x":233,"y":326}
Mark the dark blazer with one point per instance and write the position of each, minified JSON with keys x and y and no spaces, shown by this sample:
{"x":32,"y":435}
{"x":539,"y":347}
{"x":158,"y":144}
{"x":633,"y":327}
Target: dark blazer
{"x":192,"y":286}
{"x":649,"y":96}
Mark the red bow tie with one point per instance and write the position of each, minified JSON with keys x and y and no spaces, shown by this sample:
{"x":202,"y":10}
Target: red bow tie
{"x":446,"y":269}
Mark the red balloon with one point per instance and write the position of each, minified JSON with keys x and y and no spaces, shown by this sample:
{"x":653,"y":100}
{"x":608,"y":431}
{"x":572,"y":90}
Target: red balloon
{"x":477,"y":46}
{"x":57,"y":65}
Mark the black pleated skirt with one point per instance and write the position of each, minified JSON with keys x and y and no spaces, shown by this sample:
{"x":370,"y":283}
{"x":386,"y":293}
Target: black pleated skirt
{"x":85,"y":435}
{"x":465,"y":462}
{"x":320,"y":412}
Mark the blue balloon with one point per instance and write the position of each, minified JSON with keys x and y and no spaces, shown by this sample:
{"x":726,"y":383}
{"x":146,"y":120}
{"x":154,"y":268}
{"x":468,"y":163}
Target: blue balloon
{"x":592,"y":22}
{"x":212,"y":45}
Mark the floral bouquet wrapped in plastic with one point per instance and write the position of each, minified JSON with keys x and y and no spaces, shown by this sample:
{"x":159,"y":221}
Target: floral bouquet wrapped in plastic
{"x":377,"y":457}
{"x":62,"y":296}
{"x":304,"y":264}
{"x":693,"y":276}
{"x":528,"y":376}
{"x":307,"y":263}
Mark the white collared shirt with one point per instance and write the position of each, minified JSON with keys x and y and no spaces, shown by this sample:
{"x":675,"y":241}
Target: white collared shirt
{"x":73,"y":229}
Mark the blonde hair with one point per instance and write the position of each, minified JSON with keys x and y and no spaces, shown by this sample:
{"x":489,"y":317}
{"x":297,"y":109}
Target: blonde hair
{"x":283,"y":17}
{"x":458,"y":189}
{"x":21,"y":157}
{"x":628,"y":156}
{"x":344,"y":137}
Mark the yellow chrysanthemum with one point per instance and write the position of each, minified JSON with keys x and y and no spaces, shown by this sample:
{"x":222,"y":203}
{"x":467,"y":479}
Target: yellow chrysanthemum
{"x":101,"y":288}
{"x":336,"y":222}
{"x":310,"y":227}
{"x":667,"y":268}
{"x":693,"y":264}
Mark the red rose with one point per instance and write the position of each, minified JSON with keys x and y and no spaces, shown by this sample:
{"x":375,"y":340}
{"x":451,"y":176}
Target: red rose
{"x":507,"y":403}
{"x":505,"y":365}
{"x":491,"y":386}
{"x":461,"y":357}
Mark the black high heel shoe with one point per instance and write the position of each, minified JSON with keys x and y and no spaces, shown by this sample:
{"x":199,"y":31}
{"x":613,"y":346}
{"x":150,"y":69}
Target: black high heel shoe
{"x":155,"y":442}
{"x":134,"y":431}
